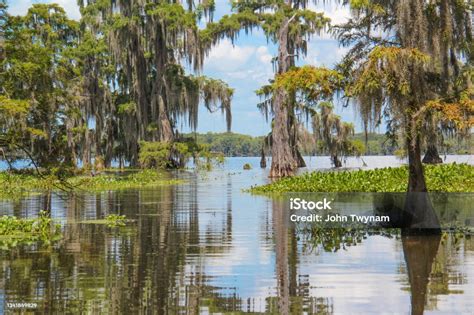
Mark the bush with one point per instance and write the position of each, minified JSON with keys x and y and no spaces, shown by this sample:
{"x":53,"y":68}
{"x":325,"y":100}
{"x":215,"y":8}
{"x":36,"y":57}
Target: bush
{"x":164,"y":155}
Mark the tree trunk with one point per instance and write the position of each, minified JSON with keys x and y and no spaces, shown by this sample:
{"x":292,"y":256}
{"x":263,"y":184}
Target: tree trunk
{"x":336,"y":162}
{"x":419,"y":215}
{"x":432,"y":155}
{"x":263,"y":161}
{"x":416,"y":177}
{"x":283,"y":162}
{"x":299,"y":158}
{"x":166,"y":134}
{"x":140,"y":83}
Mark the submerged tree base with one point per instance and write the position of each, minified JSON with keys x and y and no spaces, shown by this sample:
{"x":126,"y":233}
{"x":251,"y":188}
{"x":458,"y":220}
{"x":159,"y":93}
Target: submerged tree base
{"x":445,"y":178}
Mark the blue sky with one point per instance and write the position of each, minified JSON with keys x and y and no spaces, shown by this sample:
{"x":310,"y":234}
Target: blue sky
{"x":245,"y":66}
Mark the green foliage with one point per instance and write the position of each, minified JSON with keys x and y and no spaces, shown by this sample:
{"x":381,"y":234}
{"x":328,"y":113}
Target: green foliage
{"x":247,"y":166}
{"x":444,"y":178}
{"x":18,"y":185}
{"x":116,"y":220}
{"x":333,"y":134}
{"x":15,"y":231}
{"x":315,"y":83}
{"x":37,"y":76}
{"x":388,"y":69}
{"x":166,"y":155}
{"x":140,"y":179}
{"x":157,"y":154}
{"x":357,"y":148}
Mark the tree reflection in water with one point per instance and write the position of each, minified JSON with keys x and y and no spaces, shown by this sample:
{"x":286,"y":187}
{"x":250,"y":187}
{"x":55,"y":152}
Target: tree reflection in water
{"x":170,"y":260}
{"x":420,"y":252}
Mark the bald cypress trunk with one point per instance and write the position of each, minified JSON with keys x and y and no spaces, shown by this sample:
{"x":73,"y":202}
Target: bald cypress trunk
{"x":140,"y":84}
{"x":416,"y":177}
{"x":263,"y":161}
{"x":412,"y":26}
{"x":336,"y":162}
{"x":166,"y":130}
{"x":299,"y":158}
{"x":432,"y":155}
{"x":283,"y":161}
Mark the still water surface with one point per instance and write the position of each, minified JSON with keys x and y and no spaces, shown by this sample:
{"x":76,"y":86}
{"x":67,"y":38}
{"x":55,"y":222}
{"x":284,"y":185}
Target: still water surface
{"x":206,"y":247}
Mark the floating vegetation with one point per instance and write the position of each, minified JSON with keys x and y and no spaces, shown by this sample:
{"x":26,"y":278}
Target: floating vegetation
{"x":18,"y":185}
{"x":443,"y":178}
{"x":110,"y":220}
{"x":15,"y":231}
{"x":114,"y":220}
{"x":247,"y":166}
{"x":141,"y":179}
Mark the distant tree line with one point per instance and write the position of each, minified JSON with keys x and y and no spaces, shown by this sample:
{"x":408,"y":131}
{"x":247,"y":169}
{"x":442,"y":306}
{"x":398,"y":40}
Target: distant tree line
{"x":235,"y":144}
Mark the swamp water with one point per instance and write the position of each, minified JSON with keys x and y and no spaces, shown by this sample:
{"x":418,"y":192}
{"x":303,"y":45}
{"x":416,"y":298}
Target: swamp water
{"x":207,"y":247}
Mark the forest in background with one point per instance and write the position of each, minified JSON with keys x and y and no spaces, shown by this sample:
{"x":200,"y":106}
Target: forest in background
{"x":235,"y":144}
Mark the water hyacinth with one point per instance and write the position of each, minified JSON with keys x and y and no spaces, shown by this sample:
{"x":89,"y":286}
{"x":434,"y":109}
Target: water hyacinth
{"x":17,"y":231}
{"x":18,"y":185}
{"x":444,"y":178}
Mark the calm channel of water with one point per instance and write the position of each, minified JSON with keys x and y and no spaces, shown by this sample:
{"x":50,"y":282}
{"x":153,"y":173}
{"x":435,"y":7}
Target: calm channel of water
{"x":207,"y":247}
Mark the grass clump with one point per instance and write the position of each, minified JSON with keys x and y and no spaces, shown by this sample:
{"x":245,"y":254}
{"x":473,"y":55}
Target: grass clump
{"x":15,"y":231}
{"x":443,"y":178}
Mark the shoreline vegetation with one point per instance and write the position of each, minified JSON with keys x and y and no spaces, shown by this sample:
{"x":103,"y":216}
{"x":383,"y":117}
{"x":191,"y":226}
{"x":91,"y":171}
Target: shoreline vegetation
{"x":439,"y":178}
{"x":17,"y":185}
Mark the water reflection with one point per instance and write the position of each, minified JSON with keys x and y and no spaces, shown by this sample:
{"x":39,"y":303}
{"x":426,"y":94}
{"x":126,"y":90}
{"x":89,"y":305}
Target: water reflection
{"x":207,"y":247}
{"x":419,"y":252}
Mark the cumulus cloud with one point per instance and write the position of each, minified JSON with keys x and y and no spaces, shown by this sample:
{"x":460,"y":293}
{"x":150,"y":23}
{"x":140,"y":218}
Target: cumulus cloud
{"x":228,"y":57}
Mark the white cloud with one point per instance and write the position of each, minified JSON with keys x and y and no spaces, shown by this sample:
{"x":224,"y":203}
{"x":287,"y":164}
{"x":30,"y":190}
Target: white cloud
{"x":263,"y":54}
{"x":228,"y":57}
{"x":338,"y":13}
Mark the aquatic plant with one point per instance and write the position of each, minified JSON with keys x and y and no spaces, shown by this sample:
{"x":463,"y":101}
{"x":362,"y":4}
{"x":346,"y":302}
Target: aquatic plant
{"x":115,"y":220}
{"x":16,"y":231}
{"x":446,"y":178}
{"x":18,"y":185}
